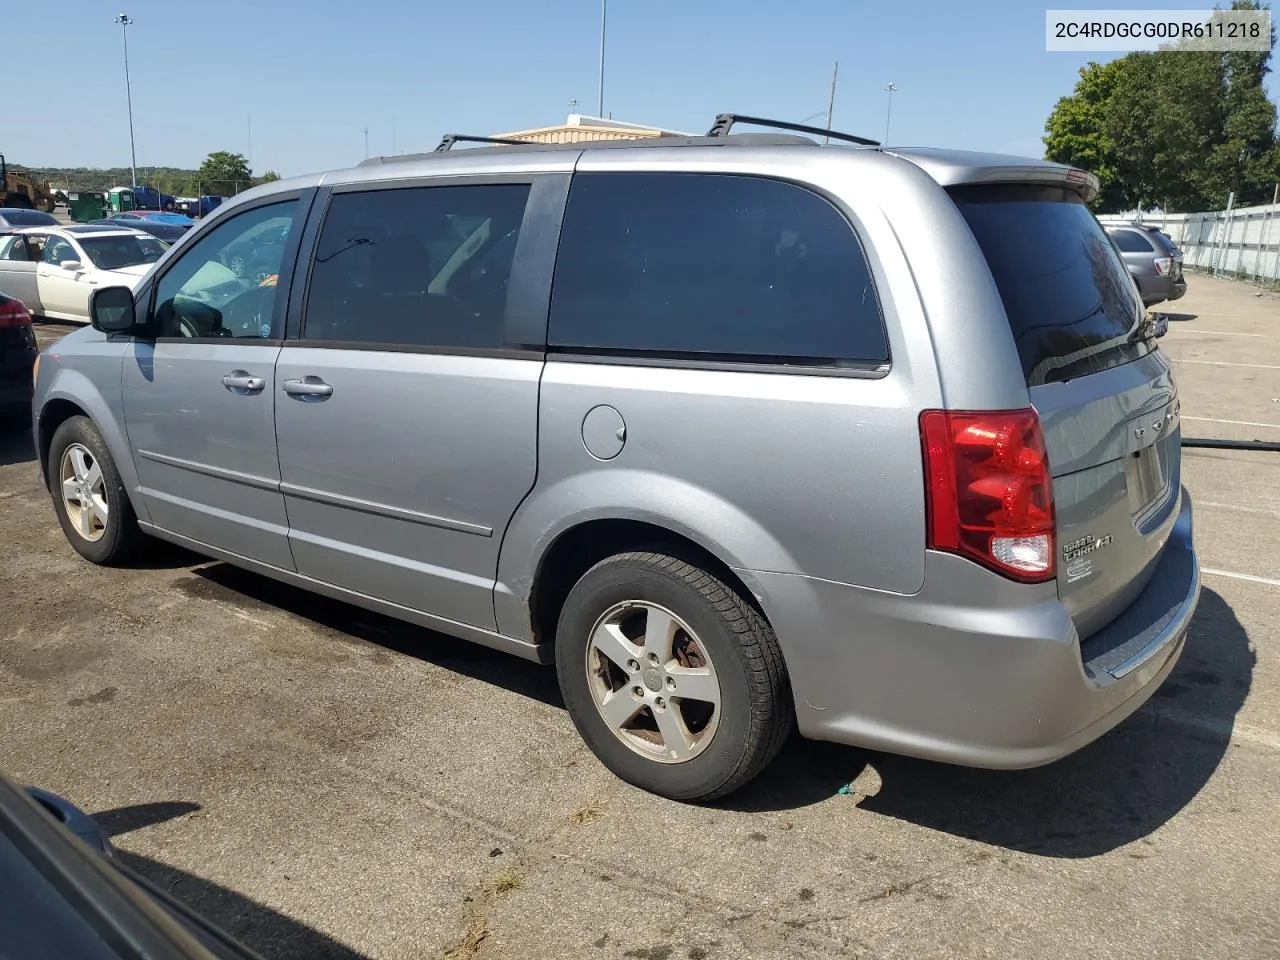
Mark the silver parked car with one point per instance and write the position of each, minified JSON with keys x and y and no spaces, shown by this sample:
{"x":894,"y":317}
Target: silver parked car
{"x":1154,"y":261}
{"x":739,"y":430}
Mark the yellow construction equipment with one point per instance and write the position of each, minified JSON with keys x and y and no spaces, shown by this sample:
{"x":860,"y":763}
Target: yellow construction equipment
{"x":17,"y":189}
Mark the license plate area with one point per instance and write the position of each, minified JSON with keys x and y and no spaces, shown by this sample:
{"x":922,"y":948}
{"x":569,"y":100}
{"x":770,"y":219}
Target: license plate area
{"x":1147,"y":479}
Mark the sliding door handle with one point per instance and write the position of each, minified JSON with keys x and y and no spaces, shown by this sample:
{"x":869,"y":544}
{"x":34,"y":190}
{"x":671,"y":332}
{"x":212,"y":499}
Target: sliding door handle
{"x":308,"y":387}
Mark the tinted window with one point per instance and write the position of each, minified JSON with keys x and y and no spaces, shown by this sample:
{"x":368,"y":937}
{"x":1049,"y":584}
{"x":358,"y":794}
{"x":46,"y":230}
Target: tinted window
{"x":27,"y":218}
{"x":13,"y":248}
{"x":1130,"y":241}
{"x":423,"y":266}
{"x":1069,"y":298}
{"x":59,"y":251}
{"x":225,"y":284}
{"x":696,"y":264}
{"x":112,"y":253}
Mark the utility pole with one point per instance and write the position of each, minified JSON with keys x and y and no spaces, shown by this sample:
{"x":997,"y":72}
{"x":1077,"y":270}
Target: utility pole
{"x":888,"y":113}
{"x":125,"y":23}
{"x":366,"y":141}
{"x":250,"y":144}
{"x":831,"y":103}
{"x":604,"y":9}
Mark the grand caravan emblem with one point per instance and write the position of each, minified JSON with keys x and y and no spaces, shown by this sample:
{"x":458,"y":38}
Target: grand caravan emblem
{"x":1085,"y":546}
{"x":1078,"y":556}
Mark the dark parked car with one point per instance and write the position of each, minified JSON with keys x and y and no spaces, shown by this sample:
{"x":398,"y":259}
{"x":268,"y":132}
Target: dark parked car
{"x":1153,"y":260}
{"x":22,"y":217}
{"x":60,"y":898}
{"x":17,"y":358}
{"x":159,"y":227}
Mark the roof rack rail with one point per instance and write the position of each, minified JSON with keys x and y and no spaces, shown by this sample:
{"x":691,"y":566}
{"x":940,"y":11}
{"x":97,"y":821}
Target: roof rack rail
{"x":724,"y":123}
{"x":448,"y":140}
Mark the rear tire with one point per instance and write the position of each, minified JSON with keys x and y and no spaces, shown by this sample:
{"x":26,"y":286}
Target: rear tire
{"x":689,"y":673}
{"x":89,"y":496}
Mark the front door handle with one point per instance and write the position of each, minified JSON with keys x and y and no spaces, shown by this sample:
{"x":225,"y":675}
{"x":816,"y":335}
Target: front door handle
{"x":240,"y":381}
{"x":308,"y":388}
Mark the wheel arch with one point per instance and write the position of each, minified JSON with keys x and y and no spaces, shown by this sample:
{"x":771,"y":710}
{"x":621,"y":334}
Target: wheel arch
{"x":580,"y":547}
{"x":73,"y":394}
{"x":593,"y":515}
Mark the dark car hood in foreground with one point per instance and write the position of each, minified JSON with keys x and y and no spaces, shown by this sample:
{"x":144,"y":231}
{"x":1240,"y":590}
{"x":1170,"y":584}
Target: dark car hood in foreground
{"x":60,"y":898}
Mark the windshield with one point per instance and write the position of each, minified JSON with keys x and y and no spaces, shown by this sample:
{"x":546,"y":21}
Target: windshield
{"x":1071,"y":304}
{"x":112,"y":253}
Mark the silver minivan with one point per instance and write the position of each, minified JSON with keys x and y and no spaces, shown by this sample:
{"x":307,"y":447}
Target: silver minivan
{"x":741,"y":431}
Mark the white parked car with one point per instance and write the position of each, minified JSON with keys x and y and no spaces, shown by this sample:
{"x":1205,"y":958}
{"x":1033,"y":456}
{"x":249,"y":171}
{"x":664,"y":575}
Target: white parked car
{"x":54,"y":269}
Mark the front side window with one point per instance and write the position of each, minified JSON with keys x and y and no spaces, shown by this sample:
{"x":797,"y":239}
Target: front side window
{"x":712,"y":266}
{"x":58,"y":251}
{"x":225,"y":284}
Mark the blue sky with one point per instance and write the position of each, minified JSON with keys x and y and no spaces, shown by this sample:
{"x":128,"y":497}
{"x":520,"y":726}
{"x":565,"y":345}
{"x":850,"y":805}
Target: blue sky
{"x":312,"y":73}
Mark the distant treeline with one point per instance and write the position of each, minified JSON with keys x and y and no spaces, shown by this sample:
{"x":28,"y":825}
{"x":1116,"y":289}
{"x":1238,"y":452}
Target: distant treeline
{"x":172,"y":180}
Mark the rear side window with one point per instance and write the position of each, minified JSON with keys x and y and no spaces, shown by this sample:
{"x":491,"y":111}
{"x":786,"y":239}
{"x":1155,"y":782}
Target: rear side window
{"x":416,"y":267}
{"x":1069,"y":298}
{"x":1130,"y":241}
{"x":712,"y":266}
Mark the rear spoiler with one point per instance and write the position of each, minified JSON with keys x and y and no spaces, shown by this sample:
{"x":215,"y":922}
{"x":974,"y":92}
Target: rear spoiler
{"x":955,"y":169}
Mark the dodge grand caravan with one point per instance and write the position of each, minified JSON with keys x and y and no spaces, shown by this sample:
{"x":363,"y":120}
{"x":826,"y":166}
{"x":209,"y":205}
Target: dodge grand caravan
{"x":740,"y":431}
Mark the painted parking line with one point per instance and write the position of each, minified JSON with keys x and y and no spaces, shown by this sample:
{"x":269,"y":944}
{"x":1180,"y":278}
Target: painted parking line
{"x":1220,"y":333}
{"x":1249,"y":577}
{"x":1227,"y":363}
{"x":1237,"y":508}
{"x":1238,"y":423}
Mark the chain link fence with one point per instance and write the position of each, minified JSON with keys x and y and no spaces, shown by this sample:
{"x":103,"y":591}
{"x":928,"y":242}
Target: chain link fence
{"x":1239,"y":242}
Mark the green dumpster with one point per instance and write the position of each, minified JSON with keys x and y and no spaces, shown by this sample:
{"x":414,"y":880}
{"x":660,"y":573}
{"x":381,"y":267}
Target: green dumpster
{"x":86,"y":205}
{"x":121,"y":199}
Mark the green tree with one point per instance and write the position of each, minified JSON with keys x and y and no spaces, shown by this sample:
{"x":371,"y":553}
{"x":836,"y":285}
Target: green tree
{"x":1077,"y":131}
{"x":269,"y":177}
{"x":224,"y":173}
{"x":1175,"y":128}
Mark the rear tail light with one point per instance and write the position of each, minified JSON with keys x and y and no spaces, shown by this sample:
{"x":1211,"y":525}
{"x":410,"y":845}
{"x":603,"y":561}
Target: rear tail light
{"x":989,"y":494}
{"x":14,"y":314}
{"x":1164,"y":266}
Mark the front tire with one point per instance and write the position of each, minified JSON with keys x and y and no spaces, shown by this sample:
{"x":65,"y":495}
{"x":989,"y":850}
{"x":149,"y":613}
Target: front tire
{"x":89,"y":496}
{"x":674,"y":681}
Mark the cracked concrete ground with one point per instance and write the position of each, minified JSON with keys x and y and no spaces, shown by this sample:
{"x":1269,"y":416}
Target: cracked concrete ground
{"x":324,"y":782}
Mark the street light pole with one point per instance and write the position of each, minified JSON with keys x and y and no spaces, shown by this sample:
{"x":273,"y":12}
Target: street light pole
{"x":125,"y":23}
{"x":888,"y":113}
{"x":604,"y":9}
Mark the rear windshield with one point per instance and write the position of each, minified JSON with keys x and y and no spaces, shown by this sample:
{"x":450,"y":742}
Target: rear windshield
{"x":112,"y":253}
{"x":1070,"y":301}
{"x":18,"y":217}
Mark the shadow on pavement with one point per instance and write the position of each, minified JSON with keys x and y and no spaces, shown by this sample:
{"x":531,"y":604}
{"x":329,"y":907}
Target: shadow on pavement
{"x":1113,"y":792}
{"x":127,"y":819}
{"x":461,"y":656}
{"x":271,"y":934}
{"x":1177,"y":316}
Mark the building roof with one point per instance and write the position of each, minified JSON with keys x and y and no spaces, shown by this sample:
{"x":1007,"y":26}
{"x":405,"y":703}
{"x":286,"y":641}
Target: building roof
{"x":579,"y":128}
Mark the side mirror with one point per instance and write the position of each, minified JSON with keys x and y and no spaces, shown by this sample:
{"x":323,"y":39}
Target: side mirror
{"x":111,"y":310}
{"x":72,"y":265}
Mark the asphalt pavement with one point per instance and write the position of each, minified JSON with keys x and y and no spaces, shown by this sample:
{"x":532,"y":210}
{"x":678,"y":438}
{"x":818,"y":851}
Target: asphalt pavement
{"x":325,"y":782}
